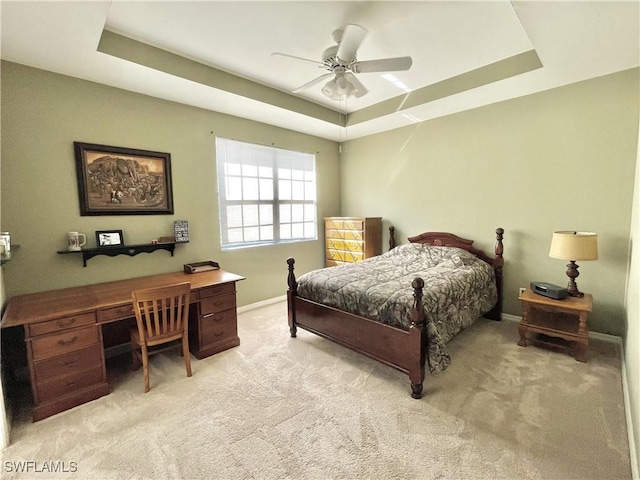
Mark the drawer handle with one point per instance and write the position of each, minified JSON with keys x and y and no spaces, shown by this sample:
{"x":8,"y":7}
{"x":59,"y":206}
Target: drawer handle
{"x":66,"y":323}
{"x":70,"y":362}
{"x":209,"y":315}
{"x":64,"y":343}
{"x":218,"y":334}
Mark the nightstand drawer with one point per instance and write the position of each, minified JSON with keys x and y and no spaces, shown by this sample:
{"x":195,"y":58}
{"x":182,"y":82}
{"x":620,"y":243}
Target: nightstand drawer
{"x":554,"y":321}
{"x":61,"y":324}
{"x":58,"y":344}
{"x":69,"y":363}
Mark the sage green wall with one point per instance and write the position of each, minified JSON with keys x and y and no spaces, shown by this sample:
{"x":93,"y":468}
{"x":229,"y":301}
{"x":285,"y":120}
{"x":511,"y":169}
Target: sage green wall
{"x":44,"y":113}
{"x":558,"y":160}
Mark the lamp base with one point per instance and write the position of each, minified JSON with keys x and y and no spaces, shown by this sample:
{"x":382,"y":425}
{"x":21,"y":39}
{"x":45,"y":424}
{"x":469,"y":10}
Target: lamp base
{"x":572,"y":273}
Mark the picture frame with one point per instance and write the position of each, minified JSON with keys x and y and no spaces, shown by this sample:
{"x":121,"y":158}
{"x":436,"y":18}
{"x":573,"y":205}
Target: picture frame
{"x":123,"y":181}
{"x":109,"y":238}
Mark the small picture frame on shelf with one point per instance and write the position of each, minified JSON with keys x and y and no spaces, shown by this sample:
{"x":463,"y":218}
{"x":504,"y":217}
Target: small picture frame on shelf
{"x":181,"y":231}
{"x":109,"y":238}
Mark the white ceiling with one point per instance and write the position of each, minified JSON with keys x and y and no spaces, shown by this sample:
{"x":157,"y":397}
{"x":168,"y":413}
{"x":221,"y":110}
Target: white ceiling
{"x":573,"y":40}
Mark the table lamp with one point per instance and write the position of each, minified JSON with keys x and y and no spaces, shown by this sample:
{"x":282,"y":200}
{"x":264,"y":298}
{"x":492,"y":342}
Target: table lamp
{"x":573,"y":246}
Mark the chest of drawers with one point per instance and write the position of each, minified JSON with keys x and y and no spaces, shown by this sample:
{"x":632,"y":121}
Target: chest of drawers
{"x":352,"y":239}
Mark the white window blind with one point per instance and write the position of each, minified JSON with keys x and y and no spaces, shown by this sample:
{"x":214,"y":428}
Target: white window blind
{"x":265,"y":195}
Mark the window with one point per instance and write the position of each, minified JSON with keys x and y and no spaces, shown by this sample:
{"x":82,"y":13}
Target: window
{"x":266,"y":195}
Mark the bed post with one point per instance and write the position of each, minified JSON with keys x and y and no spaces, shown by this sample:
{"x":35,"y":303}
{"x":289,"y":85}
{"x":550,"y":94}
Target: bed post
{"x":498,"y":262}
{"x":392,"y":237}
{"x":291,"y":294}
{"x":418,"y":321}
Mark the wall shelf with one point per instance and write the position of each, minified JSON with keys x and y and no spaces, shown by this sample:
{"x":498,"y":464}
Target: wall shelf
{"x":131,"y":250}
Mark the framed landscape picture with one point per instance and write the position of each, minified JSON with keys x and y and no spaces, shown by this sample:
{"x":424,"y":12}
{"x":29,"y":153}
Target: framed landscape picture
{"x":122,"y":181}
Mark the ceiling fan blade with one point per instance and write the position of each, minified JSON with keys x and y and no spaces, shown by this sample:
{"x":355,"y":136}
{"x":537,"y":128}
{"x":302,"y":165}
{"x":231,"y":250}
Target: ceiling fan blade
{"x":382,"y":65}
{"x":313,"y":82}
{"x":358,"y":88}
{"x":352,"y":37}
{"x":278,"y":54}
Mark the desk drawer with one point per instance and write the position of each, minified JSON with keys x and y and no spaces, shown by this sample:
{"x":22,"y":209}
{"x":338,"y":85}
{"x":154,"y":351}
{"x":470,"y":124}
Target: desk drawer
{"x":218,"y":327}
{"x":217,"y":290}
{"x":69,"y":363}
{"x":218,"y":304}
{"x":54,"y":389}
{"x":61,"y":324}
{"x":116,"y":313}
{"x":69,"y":341}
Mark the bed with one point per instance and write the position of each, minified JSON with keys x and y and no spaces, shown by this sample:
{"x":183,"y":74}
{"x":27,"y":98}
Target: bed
{"x":401,"y":307}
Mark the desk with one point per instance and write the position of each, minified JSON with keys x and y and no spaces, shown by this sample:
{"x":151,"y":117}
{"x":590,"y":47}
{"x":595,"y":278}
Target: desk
{"x":63,"y":331}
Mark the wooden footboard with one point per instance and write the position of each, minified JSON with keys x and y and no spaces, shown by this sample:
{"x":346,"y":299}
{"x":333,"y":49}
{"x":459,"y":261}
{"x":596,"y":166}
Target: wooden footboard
{"x":402,"y":349}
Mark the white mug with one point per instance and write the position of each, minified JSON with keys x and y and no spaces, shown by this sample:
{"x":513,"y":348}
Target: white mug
{"x":76,"y":240}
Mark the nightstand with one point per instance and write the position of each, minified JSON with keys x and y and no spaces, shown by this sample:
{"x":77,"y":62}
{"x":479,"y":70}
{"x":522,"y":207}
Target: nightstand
{"x":559,"y":324}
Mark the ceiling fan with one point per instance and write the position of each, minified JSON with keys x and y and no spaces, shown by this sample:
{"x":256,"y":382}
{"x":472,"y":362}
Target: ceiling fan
{"x":342,"y":63}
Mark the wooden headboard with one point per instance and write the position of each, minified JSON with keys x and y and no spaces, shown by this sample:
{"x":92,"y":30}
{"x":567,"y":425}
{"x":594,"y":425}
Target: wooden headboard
{"x":444,"y":239}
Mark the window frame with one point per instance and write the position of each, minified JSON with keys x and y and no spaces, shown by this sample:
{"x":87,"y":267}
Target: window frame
{"x":278,"y":161}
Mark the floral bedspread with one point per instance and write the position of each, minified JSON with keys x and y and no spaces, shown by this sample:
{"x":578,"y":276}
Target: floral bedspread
{"x":459,"y":288}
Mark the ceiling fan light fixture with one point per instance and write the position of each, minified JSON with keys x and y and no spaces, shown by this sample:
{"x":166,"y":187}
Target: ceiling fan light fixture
{"x":342,"y":63}
{"x":341,"y":87}
{"x":332,"y":91}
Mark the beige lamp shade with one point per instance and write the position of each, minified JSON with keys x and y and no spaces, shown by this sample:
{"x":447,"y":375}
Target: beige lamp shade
{"x":571,"y":245}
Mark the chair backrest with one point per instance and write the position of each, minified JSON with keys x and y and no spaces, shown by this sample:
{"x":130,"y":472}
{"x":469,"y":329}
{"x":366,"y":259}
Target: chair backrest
{"x":162,"y":313}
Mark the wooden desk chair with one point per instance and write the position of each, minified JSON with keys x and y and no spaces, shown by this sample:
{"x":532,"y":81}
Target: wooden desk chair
{"x":162,"y":315}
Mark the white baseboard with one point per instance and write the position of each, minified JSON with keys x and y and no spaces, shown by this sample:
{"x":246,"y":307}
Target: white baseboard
{"x":263,"y":303}
{"x":635,"y":468}
{"x":509,"y":317}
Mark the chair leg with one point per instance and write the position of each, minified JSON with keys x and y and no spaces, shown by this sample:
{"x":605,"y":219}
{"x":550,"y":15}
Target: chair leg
{"x":145,"y":369}
{"x":185,"y":354}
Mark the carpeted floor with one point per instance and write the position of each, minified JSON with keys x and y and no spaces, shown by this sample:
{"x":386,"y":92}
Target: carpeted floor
{"x":305,"y":408}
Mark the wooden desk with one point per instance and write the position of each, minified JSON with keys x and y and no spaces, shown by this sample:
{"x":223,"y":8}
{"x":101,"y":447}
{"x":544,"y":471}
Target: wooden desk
{"x":63,"y":331}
